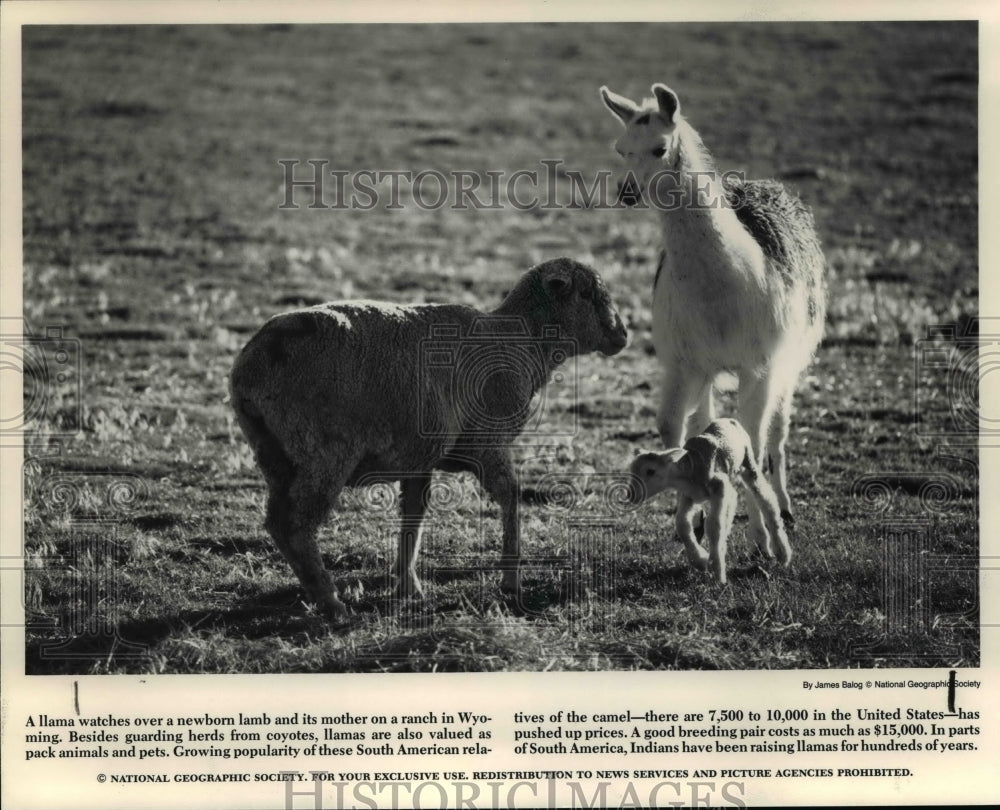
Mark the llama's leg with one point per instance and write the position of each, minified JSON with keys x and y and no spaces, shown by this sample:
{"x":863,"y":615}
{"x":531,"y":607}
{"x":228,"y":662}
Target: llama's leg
{"x":756,"y":407}
{"x":704,"y":414}
{"x":776,"y":459}
{"x":413,"y":504}
{"x":697,"y":556}
{"x":719,"y":522}
{"x":295,"y":510}
{"x":767,"y":503}
{"x":678,"y":396}
{"x":496,"y":472}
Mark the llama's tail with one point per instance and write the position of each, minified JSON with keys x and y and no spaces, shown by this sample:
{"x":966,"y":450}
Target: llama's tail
{"x":783,"y":226}
{"x":780,"y":223}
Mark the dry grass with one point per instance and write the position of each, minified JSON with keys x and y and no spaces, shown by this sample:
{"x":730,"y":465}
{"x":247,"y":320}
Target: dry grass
{"x":153,"y":235}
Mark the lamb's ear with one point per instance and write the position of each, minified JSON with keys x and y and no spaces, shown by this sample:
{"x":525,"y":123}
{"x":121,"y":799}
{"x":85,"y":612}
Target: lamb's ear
{"x":667,"y":101}
{"x":625,"y":109}
{"x":674,"y":455}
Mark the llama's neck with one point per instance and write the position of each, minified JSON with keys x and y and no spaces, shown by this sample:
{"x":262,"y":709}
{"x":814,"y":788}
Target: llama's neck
{"x":695,"y":218}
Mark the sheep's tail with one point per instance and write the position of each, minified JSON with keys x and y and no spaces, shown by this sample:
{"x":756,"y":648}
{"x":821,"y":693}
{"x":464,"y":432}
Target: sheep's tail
{"x":271,"y":456}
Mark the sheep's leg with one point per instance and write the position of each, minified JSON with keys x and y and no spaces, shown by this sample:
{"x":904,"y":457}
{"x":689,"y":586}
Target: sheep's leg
{"x":295,"y":511}
{"x":767,"y":502}
{"x":776,"y":439}
{"x":413,"y":505}
{"x":497,"y":476}
{"x":697,"y":556}
{"x":756,"y":407}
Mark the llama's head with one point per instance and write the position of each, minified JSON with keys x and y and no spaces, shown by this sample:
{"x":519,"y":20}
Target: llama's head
{"x":651,"y":142}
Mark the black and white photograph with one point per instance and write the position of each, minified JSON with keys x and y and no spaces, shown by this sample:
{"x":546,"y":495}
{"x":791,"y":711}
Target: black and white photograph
{"x":526,"y":346}
{"x":340,"y":317}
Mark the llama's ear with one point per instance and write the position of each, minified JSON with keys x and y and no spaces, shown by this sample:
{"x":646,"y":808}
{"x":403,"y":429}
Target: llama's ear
{"x":667,"y":101}
{"x":625,"y":109}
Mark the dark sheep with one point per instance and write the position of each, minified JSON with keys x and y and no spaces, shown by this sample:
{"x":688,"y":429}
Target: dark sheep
{"x":357,"y":392}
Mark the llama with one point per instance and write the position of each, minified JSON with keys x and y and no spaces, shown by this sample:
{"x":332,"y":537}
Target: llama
{"x":739,"y":286}
{"x":703,"y":471}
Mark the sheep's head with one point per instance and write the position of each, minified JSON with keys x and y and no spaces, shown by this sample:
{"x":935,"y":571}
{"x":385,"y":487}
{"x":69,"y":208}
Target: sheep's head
{"x":650,"y":143}
{"x":652,"y":473}
{"x":571,"y":296}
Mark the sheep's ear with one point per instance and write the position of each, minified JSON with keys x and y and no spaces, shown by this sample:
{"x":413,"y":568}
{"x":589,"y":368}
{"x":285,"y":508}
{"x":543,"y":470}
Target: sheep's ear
{"x":558,"y":287}
{"x":667,"y":101}
{"x":622,"y":107}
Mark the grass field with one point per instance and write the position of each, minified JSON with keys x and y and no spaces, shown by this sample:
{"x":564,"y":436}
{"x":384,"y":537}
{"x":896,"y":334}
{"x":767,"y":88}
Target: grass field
{"x":154,"y":236}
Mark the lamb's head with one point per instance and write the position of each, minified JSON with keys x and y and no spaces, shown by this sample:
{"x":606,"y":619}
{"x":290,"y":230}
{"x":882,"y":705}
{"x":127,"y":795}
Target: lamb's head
{"x":650,"y":143}
{"x":652,"y":473}
{"x":570,"y":298}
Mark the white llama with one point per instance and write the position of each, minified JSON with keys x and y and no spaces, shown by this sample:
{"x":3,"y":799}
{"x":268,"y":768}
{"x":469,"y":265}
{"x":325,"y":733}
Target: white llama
{"x":739,"y":287}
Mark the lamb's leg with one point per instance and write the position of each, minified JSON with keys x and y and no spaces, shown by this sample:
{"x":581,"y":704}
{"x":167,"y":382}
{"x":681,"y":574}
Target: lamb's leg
{"x":295,"y":510}
{"x":497,"y":476}
{"x":413,"y":505}
{"x":697,"y":556}
{"x":721,"y":511}
{"x":756,"y":407}
{"x":767,"y":503}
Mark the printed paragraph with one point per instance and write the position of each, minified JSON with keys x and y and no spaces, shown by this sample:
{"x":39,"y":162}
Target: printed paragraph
{"x":256,"y":735}
{"x":733,"y":730}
